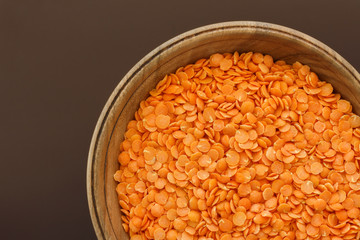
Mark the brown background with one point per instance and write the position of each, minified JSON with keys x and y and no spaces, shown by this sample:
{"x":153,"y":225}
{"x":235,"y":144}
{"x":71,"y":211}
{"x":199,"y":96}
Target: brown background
{"x":59,"y":62}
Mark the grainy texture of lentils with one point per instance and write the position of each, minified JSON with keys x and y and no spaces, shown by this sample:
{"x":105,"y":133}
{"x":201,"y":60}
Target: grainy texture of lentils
{"x":241,"y":147}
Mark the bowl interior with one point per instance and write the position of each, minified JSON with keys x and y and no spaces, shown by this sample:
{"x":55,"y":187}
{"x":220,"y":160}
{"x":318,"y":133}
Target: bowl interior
{"x":279,"y":42}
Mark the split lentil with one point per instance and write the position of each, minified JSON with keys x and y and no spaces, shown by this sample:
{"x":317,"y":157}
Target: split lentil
{"x":240,"y":146}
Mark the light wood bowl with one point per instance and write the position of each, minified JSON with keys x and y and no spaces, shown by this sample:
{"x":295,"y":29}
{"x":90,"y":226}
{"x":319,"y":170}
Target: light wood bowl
{"x":277,"y":41}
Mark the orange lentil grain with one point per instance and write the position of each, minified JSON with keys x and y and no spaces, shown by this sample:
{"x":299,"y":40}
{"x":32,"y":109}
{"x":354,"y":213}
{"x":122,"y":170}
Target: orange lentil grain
{"x":319,"y":204}
{"x":239,"y":218}
{"x":316,"y":168}
{"x":225,"y":225}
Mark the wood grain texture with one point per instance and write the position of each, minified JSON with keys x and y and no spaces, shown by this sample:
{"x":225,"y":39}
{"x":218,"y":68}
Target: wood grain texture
{"x":277,"y":41}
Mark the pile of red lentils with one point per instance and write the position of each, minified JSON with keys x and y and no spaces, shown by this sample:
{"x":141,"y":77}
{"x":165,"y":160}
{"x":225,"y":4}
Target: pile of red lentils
{"x":238,"y":146}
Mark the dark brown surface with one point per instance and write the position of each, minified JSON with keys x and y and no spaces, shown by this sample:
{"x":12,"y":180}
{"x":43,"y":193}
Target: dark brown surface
{"x":59,"y":62}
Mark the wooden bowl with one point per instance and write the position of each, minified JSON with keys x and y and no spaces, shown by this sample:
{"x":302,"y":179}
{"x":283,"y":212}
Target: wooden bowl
{"x":277,"y":41}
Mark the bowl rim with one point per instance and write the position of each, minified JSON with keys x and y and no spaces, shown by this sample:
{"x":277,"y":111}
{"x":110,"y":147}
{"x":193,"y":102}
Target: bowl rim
{"x":231,"y":25}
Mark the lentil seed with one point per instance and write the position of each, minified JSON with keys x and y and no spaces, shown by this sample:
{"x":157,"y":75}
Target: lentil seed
{"x":240,"y":146}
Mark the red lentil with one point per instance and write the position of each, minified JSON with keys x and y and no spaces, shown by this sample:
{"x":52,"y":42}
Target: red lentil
{"x":240,"y":146}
